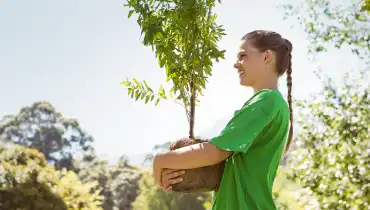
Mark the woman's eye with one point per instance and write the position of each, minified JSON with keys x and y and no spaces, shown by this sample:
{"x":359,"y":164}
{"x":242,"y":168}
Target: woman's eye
{"x":242,"y":56}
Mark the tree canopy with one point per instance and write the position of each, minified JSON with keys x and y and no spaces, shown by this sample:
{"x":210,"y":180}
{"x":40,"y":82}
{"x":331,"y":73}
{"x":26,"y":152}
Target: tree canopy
{"x":119,"y":183}
{"x":28,"y":182}
{"x":41,"y":127}
{"x":334,"y":23}
{"x":332,"y":157}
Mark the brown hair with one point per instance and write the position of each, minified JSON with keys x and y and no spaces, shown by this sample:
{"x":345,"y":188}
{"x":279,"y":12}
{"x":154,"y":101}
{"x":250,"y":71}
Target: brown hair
{"x":269,"y":40}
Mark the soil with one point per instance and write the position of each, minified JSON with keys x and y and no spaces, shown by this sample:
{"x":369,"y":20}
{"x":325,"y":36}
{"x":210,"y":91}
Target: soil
{"x":202,"y":179}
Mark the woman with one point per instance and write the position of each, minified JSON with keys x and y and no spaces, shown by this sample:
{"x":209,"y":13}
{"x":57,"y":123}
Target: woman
{"x":254,"y":140}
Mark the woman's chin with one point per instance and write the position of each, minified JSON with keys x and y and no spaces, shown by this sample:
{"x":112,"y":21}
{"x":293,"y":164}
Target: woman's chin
{"x":244,"y":83}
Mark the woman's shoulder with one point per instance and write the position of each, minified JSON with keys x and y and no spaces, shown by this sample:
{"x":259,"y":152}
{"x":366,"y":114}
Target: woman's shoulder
{"x":268,"y":94}
{"x":269,"y":101}
{"x":266,"y":97}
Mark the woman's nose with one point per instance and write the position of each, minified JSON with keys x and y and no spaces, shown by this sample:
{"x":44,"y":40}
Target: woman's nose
{"x":236,"y":65}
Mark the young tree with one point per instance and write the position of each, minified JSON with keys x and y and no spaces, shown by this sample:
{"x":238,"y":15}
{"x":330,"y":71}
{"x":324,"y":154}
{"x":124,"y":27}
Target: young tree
{"x":183,"y":35}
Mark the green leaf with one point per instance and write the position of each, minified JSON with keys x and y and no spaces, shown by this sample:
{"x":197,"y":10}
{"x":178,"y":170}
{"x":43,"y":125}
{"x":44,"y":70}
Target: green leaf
{"x":130,"y":13}
{"x":137,"y":82}
{"x":157,"y":101}
{"x":126,"y":83}
{"x":147,"y":99}
{"x":161,"y":92}
{"x":137,"y":94}
{"x":147,"y":86}
{"x":142,"y":96}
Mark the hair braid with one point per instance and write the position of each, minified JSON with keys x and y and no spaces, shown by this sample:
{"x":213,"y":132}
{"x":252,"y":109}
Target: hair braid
{"x":289,"y":84}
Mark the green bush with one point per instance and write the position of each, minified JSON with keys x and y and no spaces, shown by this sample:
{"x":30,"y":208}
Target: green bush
{"x":117,"y":183}
{"x":28,"y":182}
{"x":152,"y":197}
{"x":289,"y":195}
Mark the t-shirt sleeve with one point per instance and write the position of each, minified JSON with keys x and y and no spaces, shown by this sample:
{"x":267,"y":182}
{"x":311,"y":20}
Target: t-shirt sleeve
{"x":246,"y":125}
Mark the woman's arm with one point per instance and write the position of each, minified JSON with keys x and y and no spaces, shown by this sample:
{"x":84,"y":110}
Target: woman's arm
{"x":193,"y":156}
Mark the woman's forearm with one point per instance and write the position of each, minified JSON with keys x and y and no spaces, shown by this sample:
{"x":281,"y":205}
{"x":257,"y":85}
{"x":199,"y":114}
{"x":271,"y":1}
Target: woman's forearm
{"x":193,"y":156}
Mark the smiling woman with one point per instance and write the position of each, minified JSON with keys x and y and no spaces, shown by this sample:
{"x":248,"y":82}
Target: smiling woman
{"x":253,"y":141}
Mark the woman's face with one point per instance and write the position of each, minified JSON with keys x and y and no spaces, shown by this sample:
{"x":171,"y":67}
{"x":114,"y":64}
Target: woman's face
{"x":250,"y":64}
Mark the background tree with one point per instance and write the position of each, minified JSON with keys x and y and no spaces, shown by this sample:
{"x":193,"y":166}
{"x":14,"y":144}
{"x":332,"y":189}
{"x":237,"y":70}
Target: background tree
{"x":41,"y":127}
{"x":334,"y":23}
{"x":125,"y":184}
{"x":119,"y":184}
{"x":365,"y":5}
{"x":28,"y":182}
{"x":334,"y":158}
{"x":289,"y":195}
{"x":99,"y":170}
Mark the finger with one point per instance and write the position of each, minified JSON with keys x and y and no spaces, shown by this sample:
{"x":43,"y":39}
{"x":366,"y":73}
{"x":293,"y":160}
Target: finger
{"x":164,"y":186}
{"x":168,"y":189}
{"x":173,"y":174}
{"x":168,"y":182}
{"x":175,"y":181}
{"x":168,"y":179}
{"x":171,"y":181}
{"x":169,"y":171}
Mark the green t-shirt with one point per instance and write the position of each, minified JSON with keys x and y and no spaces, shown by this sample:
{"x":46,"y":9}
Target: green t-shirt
{"x":257,"y":135}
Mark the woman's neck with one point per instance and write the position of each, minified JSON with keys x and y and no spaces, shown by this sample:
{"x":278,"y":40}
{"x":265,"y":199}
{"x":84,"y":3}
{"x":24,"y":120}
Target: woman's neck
{"x":267,"y":83}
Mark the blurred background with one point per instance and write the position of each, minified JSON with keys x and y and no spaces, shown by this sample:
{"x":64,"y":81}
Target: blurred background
{"x":72,"y":138}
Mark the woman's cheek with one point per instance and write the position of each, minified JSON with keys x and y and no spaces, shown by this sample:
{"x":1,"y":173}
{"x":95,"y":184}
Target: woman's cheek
{"x":244,"y":65}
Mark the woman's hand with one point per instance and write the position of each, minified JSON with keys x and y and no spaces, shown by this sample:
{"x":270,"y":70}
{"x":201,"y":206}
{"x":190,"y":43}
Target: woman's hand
{"x":171,"y":177}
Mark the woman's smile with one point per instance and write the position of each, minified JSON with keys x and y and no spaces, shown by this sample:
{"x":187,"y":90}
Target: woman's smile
{"x":241,"y":73}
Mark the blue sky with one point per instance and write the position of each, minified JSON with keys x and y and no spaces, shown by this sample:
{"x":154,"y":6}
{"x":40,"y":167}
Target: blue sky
{"x":74,"y":54}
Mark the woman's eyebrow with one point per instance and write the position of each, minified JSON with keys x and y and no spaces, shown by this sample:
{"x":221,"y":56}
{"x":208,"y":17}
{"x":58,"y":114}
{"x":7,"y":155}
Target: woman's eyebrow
{"x":241,"y":52}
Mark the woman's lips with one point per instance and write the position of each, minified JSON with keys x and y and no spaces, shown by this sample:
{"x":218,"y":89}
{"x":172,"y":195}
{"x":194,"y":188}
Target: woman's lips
{"x":241,"y":74}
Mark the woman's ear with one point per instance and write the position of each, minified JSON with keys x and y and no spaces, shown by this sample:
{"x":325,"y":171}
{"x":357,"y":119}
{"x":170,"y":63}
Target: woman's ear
{"x":268,"y":56}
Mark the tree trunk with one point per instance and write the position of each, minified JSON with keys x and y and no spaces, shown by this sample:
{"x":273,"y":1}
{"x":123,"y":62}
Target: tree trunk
{"x":192,"y":110}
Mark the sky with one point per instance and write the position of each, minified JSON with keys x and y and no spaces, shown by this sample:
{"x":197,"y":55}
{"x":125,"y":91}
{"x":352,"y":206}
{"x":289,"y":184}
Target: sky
{"x":74,"y":54}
